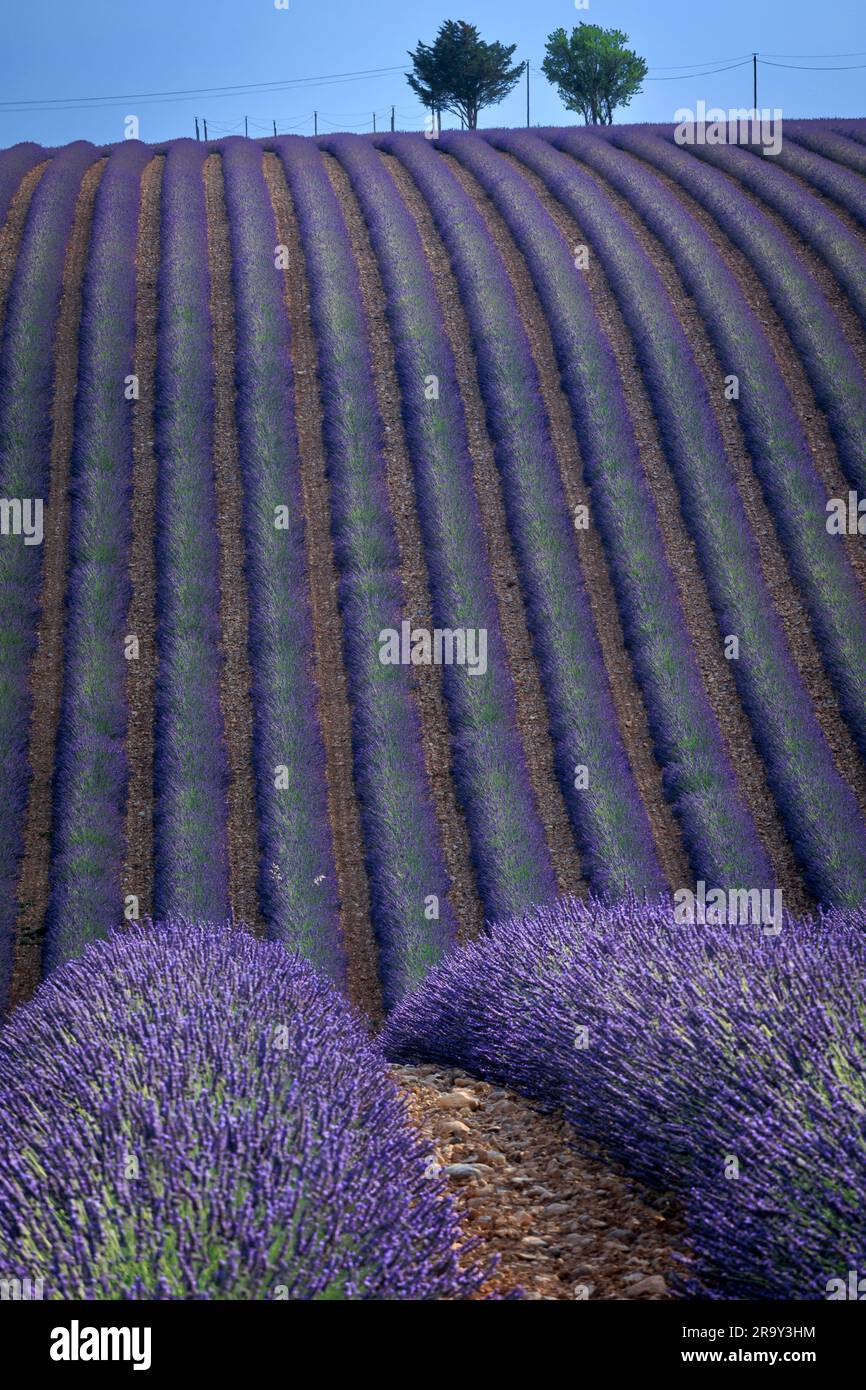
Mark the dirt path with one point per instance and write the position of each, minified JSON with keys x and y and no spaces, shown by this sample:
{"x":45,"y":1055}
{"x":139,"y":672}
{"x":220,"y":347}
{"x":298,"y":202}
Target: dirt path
{"x":235,"y":679}
{"x":426,"y":681}
{"x":532,"y":716}
{"x":334,"y":711}
{"x":46,"y":676}
{"x":627,"y":699}
{"x":141,"y":674}
{"x":13,"y":230}
{"x":564,"y":1226}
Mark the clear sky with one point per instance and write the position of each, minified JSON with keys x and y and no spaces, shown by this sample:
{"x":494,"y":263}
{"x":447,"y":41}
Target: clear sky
{"x":58,"y":50}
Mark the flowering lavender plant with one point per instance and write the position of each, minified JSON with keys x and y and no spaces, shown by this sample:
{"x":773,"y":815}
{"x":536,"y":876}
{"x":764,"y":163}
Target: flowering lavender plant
{"x":719,"y":1061}
{"x":26,"y":374}
{"x":189,"y":1113}
{"x":401,"y":834}
{"x":610,"y":822}
{"x":297,"y":877}
{"x":190,"y":758}
{"x":511,"y":858}
{"x":91,"y":770}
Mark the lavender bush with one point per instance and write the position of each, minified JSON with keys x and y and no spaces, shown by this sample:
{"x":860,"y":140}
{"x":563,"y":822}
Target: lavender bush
{"x":608,"y":816}
{"x":792,"y":487}
{"x":818,"y":807}
{"x":14,"y":164}
{"x":820,"y":229}
{"x":681,"y":1048}
{"x":402,"y":840}
{"x":190,"y":759}
{"x":821,"y":167}
{"x":297,"y":877}
{"x":814,"y":328}
{"x":717,"y":828}
{"x":90,"y":773}
{"x":512,"y":862}
{"x":821,"y":138}
{"x":26,"y":375}
{"x":212,"y":1123}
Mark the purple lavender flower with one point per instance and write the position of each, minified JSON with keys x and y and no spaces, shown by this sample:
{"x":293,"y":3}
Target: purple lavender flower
{"x":402,"y":839}
{"x":14,"y":164}
{"x":212,"y":1123}
{"x":818,"y":807}
{"x":26,"y":374}
{"x":190,"y":758}
{"x":609,"y":819}
{"x":512,"y":861}
{"x":724,"y":1062}
{"x":297,"y":877}
{"x":90,"y":777}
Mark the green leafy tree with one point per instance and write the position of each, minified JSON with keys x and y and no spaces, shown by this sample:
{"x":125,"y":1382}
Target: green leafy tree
{"x":461,"y":73}
{"x":593,"y":71}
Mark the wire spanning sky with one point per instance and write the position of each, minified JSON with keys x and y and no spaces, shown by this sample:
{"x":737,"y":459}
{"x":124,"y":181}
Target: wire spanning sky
{"x":77,"y":70}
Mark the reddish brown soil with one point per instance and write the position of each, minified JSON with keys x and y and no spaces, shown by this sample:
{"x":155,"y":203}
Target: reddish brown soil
{"x":627,"y":699}
{"x":532,"y":716}
{"x":562,"y":1224}
{"x":141,"y":675}
{"x":426,"y":680}
{"x":235,"y":678}
{"x":330,"y":675}
{"x":46,"y":676}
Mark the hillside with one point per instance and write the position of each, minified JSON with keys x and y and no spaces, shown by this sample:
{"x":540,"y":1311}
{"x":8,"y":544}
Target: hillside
{"x":579,"y":397}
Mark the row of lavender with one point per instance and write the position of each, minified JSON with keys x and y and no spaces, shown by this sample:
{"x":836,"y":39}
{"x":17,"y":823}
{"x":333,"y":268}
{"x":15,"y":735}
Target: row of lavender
{"x":801,"y":770}
{"x":513,"y":868}
{"x":718,"y":1062}
{"x":213,"y":1123}
{"x":412,"y":915}
{"x":297,"y":878}
{"x":778,"y":446}
{"x":718,"y":831}
{"x":26,"y":378}
{"x":610,"y":823}
{"x":90,"y":777}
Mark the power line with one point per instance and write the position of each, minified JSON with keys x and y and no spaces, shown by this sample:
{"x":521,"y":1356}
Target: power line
{"x":804,"y":67}
{"x":221,"y":88}
{"x":684,"y":77}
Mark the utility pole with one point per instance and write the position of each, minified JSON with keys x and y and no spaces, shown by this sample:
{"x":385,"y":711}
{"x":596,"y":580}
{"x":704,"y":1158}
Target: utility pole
{"x":374,"y":122}
{"x":197,"y":136}
{"x":754,"y":81}
{"x":527,"y":93}
{"x":204,"y":119}
{"x":315,"y":122}
{"x":246,"y":129}
{"x":392,"y":120}
{"x":275,"y":130}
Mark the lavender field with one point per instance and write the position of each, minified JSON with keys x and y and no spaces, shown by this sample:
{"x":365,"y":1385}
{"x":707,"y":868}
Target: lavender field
{"x":446,"y":620}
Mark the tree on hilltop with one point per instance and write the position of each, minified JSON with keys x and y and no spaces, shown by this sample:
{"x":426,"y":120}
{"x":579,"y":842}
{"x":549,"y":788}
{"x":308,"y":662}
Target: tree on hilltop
{"x":593,"y":71}
{"x":461,"y":73}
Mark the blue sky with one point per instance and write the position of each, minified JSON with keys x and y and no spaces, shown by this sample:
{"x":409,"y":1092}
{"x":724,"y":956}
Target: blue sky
{"x":54,"y":49}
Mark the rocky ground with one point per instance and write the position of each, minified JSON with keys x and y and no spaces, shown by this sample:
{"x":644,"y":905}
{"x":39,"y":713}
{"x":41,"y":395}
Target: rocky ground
{"x":564,"y":1225}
